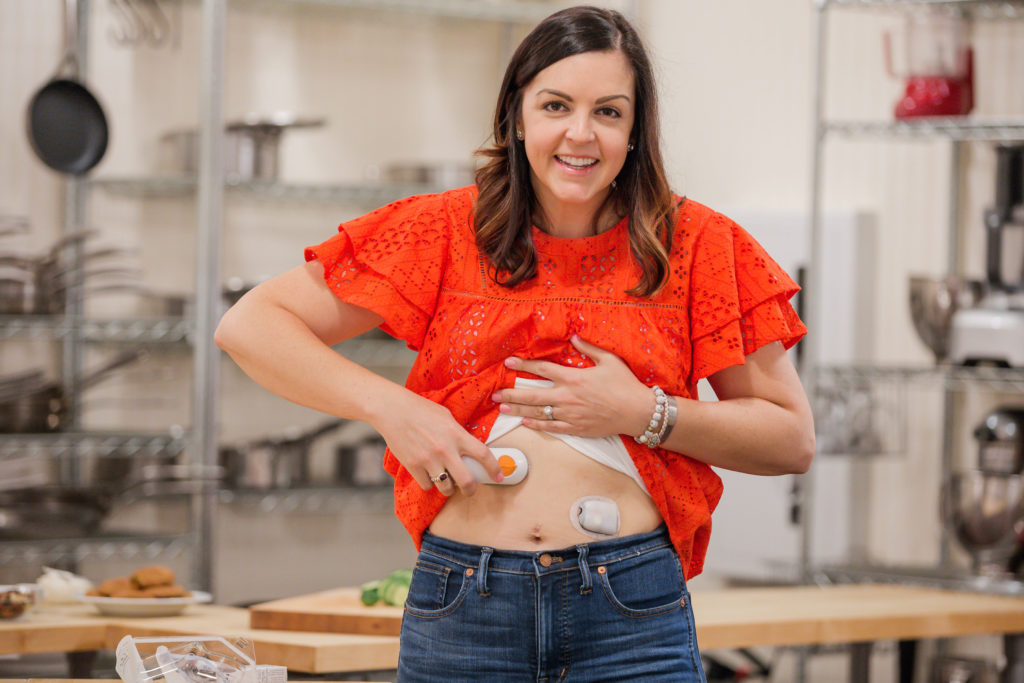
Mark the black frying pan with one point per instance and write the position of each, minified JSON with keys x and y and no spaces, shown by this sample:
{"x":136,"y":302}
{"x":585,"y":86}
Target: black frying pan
{"x":66,"y":124}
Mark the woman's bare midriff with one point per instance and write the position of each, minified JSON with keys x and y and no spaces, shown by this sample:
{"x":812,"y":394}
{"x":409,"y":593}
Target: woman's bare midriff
{"x":534,"y":514}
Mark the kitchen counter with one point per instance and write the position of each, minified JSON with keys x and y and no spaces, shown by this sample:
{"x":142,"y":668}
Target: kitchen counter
{"x":71,"y":628}
{"x":76,"y":680}
{"x":729,"y":618}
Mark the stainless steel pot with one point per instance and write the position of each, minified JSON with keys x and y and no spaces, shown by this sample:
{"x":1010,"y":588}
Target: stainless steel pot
{"x":54,"y":510}
{"x":55,"y":297}
{"x":31,"y":404}
{"x":164,"y":304}
{"x":272,"y":463}
{"x":50,"y":512}
{"x":362,"y":463}
{"x":17,"y":290}
{"x":251,"y":146}
{"x":439,"y":174}
{"x":951,"y":669}
{"x":13,"y":225}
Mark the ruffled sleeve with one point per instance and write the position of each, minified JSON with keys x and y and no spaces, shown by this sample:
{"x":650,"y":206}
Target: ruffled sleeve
{"x":739,"y":299}
{"x":391,"y":261}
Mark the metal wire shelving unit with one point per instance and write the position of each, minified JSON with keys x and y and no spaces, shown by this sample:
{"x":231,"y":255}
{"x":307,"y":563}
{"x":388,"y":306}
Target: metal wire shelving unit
{"x":949,"y":381}
{"x":75,"y":331}
{"x":951,"y":128}
{"x":505,"y":11}
{"x":976,"y":9}
{"x":368,"y":194}
{"x":96,"y":330}
{"x":957,"y":131}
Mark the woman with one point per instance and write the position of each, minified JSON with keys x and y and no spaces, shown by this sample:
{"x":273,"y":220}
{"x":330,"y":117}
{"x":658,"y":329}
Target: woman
{"x":565,"y":306}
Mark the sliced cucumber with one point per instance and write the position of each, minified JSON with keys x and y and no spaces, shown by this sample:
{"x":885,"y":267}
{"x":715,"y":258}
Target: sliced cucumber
{"x":370,"y":592}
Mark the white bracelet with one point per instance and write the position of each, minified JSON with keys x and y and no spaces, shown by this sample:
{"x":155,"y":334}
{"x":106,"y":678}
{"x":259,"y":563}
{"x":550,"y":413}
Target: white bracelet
{"x":650,"y":436}
{"x":669,"y":421}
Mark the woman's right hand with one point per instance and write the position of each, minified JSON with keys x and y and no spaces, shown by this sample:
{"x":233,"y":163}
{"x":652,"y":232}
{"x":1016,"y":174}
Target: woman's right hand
{"x":428,"y":441}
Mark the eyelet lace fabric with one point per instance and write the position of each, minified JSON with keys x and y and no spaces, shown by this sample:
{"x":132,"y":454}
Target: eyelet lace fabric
{"x":415,"y":263}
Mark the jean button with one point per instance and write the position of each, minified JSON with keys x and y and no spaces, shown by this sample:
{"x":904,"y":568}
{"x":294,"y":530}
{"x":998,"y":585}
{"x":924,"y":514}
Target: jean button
{"x":545,"y":560}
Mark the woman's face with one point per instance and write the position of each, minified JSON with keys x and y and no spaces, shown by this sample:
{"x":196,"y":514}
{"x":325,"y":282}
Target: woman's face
{"x":577,"y":117}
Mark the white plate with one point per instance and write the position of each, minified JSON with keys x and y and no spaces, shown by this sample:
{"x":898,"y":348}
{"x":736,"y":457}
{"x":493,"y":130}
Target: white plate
{"x":144,"y":607}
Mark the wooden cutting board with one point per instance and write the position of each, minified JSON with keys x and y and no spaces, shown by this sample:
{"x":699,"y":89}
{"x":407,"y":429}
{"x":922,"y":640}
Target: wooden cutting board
{"x":333,"y":611}
{"x":728,"y":618}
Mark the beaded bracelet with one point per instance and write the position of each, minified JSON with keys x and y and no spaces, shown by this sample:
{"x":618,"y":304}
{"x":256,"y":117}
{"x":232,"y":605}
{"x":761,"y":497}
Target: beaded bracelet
{"x":650,"y":437}
{"x":669,"y":421}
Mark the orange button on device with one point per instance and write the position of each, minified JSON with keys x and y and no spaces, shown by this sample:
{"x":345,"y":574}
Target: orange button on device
{"x":508,"y":465}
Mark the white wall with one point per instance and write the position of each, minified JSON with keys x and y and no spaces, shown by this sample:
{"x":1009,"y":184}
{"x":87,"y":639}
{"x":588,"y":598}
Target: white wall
{"x":736,"y":84}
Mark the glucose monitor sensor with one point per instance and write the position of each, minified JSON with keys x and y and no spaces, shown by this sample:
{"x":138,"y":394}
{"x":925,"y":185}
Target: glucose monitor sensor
{"x":595,"y":516}
{"x":512,"y":461}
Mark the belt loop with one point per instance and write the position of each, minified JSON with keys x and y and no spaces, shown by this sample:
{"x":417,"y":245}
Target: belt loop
{"x":481,"y":575}
{"x":583,"y":549}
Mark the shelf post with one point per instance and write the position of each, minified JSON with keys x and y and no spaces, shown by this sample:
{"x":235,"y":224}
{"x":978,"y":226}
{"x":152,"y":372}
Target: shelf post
{"x":208,"y":299}
{"x":75,"y":218}
{"x":808,"y":357}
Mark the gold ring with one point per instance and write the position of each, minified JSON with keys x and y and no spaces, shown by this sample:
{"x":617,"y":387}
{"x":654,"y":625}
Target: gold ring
{"x":441,"y":477}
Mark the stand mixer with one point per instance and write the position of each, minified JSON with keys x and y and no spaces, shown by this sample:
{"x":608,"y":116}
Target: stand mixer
{"x":984,"y":507}
{"x":992,"y":332}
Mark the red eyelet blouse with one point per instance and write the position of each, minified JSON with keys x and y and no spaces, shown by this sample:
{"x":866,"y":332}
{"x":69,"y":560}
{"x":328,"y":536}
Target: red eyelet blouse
{"x":416,"y":264}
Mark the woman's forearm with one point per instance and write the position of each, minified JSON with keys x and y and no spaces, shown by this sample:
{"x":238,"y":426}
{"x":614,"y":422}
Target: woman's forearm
{"x":750,"y":435}
{"x":280,"y":352}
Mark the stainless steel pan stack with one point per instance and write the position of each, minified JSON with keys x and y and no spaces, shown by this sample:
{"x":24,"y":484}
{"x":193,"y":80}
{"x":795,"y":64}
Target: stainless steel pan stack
{"x":53,"y":509}
{"x":30,"y":403}
{"x":44,"y":284}
{"x":273,"y":462}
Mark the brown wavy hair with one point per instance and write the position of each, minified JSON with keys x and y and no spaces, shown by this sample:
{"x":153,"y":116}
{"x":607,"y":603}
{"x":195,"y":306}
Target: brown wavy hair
{"x":506,"y":200}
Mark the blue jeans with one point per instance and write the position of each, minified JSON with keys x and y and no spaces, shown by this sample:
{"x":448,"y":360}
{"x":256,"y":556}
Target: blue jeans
{"x":613,"y":610}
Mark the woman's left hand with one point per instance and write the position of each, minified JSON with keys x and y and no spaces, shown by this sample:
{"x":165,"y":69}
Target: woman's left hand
{"x":604,"y":400}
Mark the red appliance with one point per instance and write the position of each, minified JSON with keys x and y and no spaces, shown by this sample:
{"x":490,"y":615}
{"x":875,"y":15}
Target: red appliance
{"x":939,"y":65}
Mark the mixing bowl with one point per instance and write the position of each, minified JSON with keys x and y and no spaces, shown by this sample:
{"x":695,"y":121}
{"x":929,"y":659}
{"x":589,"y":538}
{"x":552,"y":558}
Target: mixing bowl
{"x":985,"y":511}
{"x":933,"y":301}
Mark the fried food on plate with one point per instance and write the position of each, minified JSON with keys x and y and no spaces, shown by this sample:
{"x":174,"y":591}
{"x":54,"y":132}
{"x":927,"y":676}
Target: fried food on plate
{"x":153,"y":575}
{"x":154,"y":581}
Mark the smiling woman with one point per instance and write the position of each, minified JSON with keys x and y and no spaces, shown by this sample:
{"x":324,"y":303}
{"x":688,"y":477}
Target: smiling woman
{"x":564,"y":307}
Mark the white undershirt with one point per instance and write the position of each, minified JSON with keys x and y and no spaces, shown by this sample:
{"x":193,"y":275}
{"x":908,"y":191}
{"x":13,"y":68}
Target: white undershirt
{"x":607,"y":450}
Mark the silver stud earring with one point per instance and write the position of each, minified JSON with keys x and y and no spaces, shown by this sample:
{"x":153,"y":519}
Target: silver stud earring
{"x":519,"y":134}
{"x":629,"y":147}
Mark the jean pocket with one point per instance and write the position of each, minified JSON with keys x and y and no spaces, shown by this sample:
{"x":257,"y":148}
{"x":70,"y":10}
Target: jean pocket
{"x":437,"y":588}
{"x":645,"y":586}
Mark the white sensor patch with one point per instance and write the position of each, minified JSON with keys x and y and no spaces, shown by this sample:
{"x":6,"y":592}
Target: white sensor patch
{"x":595,"y":516}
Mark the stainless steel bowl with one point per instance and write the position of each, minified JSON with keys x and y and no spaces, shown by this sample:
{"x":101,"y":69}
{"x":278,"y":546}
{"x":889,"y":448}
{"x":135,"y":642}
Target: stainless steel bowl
{"x":985,"y":511}
{"x":933,"y":301}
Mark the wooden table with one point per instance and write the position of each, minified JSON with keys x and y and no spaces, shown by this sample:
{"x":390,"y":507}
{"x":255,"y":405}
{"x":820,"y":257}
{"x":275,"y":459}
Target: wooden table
{"x":730,"y":618}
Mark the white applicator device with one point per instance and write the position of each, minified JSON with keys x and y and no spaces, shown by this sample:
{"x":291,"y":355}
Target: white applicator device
{"x":512,"y":461}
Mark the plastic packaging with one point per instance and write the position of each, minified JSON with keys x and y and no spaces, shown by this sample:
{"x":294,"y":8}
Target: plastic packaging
{"x":193,"y":659}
